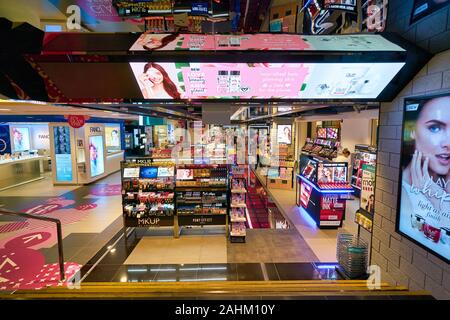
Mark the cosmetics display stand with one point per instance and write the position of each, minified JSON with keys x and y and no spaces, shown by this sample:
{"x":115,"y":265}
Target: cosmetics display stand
{"x":202,"y":196}
{"x":238,"y":214}
{"x":363,"y":154}
{"x":323,"y":189}
{"x":148,"y":193}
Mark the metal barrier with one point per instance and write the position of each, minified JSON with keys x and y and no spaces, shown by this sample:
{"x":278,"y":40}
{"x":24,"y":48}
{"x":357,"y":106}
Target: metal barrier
{"x":58,"y":231}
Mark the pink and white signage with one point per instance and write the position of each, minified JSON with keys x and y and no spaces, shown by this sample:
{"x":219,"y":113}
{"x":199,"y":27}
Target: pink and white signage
{"x":292,"y":42}
{"x":263,"y":80}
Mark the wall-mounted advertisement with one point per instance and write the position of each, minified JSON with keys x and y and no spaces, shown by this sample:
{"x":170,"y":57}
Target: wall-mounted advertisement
{"x":112,"y":137}
{"x":96,"y":156}
{"x":423,"y":8}
{"x":284,"y":133}
{"x":40,"y":137}
{"x":424,"y":213}
{"x":63,"y":157}
{"x":20,"y":138}
{"x":263,"y":80}
{"x":346,"y":5}
{"x":368,"y":188}
{"x":5,"y":140}
{"x":267,"y":41}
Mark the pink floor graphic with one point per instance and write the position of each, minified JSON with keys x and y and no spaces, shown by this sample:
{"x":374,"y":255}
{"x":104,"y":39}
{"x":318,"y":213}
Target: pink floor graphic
{"x":23,"y":267}
{"x":107,"y":190}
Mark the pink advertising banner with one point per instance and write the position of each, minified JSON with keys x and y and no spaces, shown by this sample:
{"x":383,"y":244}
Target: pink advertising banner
{"x":243,"y":81}
{"x":172,"y":80}
{"x":263,"y":41}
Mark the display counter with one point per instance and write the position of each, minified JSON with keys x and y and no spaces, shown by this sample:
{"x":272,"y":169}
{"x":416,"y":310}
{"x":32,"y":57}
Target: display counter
{"x":322,"y":190}
{"x":18,"y":171}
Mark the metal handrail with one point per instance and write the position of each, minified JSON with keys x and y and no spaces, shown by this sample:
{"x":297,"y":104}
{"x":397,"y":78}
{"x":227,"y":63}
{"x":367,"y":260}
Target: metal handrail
{"x":58,"y":231}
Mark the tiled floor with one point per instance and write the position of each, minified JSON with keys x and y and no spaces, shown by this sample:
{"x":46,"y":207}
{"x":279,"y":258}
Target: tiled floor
{"x":185,"y":250}
{"x":322,"y":242}
{"x":271,"y":246}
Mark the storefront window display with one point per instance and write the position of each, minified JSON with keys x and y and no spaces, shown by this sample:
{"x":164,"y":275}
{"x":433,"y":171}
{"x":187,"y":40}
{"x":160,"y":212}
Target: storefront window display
{"x":424,"y":213}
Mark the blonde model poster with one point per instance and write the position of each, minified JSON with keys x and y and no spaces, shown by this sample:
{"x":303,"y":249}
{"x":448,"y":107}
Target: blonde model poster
{"x":424,"y":213}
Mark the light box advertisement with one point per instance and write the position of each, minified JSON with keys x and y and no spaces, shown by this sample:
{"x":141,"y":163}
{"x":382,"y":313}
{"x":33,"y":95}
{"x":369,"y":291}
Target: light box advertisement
{"x":21,"y":139}
{"x":424,"y":213}
{"x":63,"y":157}
{"x":368,"y":188}
{"x":263,"y":80}
{"x":264,"y":41}
{"x":284,"y":133}
{"x":96,"y":156}
{"x":112,"y":137}
{"x":423,"y":8}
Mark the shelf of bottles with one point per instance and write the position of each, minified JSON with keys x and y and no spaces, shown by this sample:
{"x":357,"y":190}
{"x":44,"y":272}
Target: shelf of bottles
{"x":238,"y":214}
{"x":148,"y":193}
{"x":202,"y":196}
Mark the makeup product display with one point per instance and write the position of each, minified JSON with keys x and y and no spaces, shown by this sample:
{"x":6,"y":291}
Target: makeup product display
{"x":324,"y":146}
{"x":323,"y":189}
{"x":238,"y":214}
{"x":364,"y":154}
{"x":148,"y":193}
{"x":202,"y":194}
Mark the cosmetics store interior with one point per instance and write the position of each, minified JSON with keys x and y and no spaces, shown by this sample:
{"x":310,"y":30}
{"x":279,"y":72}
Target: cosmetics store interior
{"x":195,"y":191}
{"x":165,"y":158}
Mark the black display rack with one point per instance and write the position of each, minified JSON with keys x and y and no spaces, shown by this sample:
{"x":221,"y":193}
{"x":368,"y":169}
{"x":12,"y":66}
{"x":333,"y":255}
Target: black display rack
{"x":148,"y":194}
{"x":202,"y":195}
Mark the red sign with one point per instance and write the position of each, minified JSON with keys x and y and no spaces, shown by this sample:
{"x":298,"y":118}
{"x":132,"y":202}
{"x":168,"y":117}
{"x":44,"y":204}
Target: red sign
{"x":76,"y":121}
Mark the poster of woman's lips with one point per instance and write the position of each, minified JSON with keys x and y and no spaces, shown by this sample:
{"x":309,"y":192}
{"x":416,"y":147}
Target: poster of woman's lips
{"x":424,"y":208}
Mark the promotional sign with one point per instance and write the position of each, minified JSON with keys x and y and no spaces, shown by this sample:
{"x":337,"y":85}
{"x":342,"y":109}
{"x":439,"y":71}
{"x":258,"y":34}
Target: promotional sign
{"x":21,"y":139}
{"x":424,"y":213}
{"x":263,"y":80}
{"x":368,"y":188}
{"x":331,"y":172}
{"x":284,"y":133}
{"x":346,"y":5}
{"x":63,"y":157}
{"x":206,"y":42}
{"x":157,"y":221}
{"x":40,"y":138}
{"x":200,"y":220}
{"x":96,"y":156}
{"x":112,"y":137}
{"x":5,"y":140}
{"x":423,"y":8}
{"x":76,"y":121}
{"x":199,"y":8}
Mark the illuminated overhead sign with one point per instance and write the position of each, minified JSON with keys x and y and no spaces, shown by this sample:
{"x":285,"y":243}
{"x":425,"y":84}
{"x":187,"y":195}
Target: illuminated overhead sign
{"x":263,"y":80}
{"x":195,"y":42}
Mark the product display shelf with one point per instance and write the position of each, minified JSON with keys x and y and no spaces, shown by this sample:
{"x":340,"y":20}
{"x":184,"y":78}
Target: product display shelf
{"x":238,"y":214}
{"x":145,"y":204}
{"x":198,"y":203}
{"x":322,"y":190}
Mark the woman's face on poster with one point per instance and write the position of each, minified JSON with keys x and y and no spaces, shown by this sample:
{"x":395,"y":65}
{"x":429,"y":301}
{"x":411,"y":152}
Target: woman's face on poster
{"x":154,"y":76}
{"x":432,"y":134}
{"x":153,"y":43}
